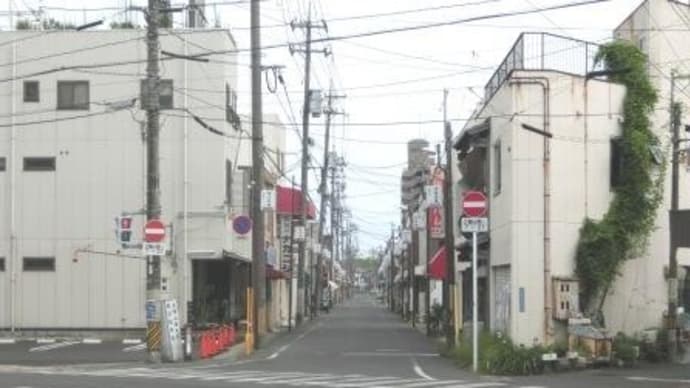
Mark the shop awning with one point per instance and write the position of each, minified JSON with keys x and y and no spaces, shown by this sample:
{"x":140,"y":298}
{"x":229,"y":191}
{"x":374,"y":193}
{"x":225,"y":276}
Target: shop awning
{"x":437,"y":264}
{"x":289,"y":202}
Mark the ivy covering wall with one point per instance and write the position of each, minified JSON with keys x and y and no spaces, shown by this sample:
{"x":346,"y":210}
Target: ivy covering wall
{"x":624,"y":230}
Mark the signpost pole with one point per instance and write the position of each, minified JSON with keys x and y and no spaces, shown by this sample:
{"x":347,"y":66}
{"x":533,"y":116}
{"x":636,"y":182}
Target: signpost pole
{"x":474,"y":209}
{"x":475,"y":320}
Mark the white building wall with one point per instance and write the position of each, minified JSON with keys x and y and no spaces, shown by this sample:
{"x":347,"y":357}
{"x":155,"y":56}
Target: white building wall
{"x":100,"y":173}
{"x":660,"y":29}
{"x":577,"y":189}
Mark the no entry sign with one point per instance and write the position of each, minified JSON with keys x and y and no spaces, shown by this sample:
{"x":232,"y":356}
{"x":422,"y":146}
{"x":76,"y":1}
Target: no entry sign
{"x":474,"y":204}
{"x":154,"y":231}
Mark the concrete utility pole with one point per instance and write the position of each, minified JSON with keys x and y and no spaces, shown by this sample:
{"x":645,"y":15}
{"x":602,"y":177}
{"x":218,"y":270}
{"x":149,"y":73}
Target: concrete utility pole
{"x":301,"y":305}
{"x":448,"y":285}
{"x":673,"y":251}
{"x":258,"y":259}
{"x":334,"y":189}
{"x":292,"y":251}
{"x":324,"y":191}
{"x":153,"y":206}
{"x":391,"y":271}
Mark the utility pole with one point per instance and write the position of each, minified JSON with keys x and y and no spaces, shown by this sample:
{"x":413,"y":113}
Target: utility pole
{"x":334,"y":189}
{"x":390,"y":277}
{"x":414,"y":258}
{"x":153,"y":205}
{"x":324,"y":189}
{"x":449,"y":285}
{"x":673,"y":251}
{"x":301,"y":305}
{"x":258,"y":259}
{"x":292,"y":251}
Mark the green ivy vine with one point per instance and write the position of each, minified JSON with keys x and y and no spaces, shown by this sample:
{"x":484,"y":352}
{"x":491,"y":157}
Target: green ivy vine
{"x":624,"y":230}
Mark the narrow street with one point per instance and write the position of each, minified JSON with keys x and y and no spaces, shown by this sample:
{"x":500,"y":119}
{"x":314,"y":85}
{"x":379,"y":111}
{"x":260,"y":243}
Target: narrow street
{"x":360,"y":344}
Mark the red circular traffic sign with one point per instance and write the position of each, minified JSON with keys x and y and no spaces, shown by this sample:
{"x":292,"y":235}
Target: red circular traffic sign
{"x":474,"y":204}
{"x":154,"y":231}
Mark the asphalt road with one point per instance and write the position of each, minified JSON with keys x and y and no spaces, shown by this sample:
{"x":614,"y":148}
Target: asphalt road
{"x":359,"y":344}
{"x":69,"y":351}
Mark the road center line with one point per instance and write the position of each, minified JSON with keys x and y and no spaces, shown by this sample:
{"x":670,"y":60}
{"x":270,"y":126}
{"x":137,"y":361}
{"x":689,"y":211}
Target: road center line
{"x":389,"y":354}
{"x":420,"y":372}
{"x":286,"y":346}
{"x":277,"y":353}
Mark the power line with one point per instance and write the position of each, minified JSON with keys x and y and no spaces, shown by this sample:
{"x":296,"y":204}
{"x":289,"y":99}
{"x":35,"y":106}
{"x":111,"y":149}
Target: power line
{"x":425,"y":26}
{"x":409,"y":11}
{"x":59,"y":119}
{"x":101,"y":9}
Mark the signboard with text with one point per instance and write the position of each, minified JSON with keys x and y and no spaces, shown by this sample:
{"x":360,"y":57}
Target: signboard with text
{"x":435,"y":221}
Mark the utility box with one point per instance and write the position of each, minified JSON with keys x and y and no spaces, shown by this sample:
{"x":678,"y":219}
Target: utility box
{"x":566,"y":298}
{"x":315,"y":102}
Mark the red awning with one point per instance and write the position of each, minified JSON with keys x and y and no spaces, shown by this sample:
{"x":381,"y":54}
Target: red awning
{"x":437,"y":264}
{"x":289,"y":202}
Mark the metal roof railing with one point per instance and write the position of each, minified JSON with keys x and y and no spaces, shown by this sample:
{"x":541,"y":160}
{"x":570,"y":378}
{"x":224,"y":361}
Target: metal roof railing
{"x":544,"y":51}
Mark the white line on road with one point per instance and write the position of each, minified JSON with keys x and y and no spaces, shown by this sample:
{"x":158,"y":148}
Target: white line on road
{"x":131,"y":341}
{"x":390,"y":354}
{"x":52,"y":346}
{"x":92,"y":341}
{"x":277,"y":353}
{"x":134,"y":348}
{"x":286,"y":346}
{"x":45,"y":340}
{"x":659,"y":380}
{"x":420,"y":372}
{"x":7,"y":341}
{"x":433,"y":384}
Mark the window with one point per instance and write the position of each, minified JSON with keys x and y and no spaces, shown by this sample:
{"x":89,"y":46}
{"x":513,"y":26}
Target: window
{"x":39,"y":264}
{"x":616,"y":173}
{"x":73,"y":95}
{"x":165,"y":98}
{"x":2,"y":264}
{"x":39,"y":164}
{"x":497,"y":168}
{"x":3,"y":164}
{"x":231,"y":108}
{"x":31,"y":91}
{"x":228,"y":183}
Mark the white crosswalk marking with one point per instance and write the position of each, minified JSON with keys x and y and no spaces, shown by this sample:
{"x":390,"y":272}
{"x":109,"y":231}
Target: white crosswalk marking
{"x":262,"y":377}
{"x":432,"y":384}
{"x":228,"y":376}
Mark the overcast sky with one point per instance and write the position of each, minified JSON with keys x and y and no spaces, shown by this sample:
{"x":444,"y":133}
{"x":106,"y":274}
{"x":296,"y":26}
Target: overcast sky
{"x":397,"y":77}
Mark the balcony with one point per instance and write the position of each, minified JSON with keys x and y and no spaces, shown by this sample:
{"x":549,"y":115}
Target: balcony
{"x":544,"y":51}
